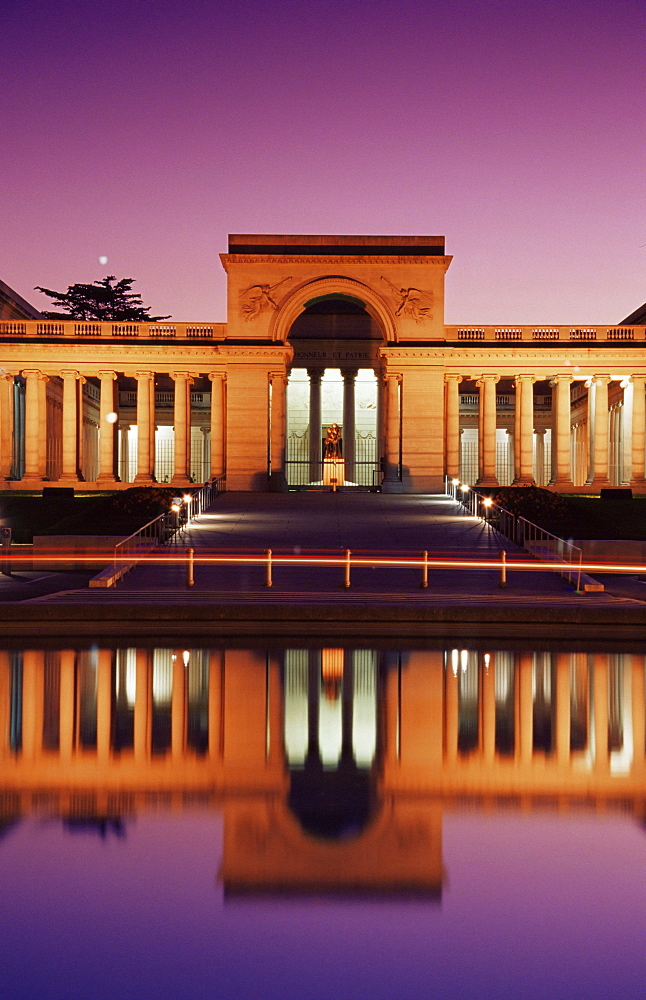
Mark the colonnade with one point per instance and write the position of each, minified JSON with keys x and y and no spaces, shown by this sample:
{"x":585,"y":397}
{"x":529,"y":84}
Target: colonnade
{"x":62,"y":441}
{"x":615,"y":436}
{"x":316,"y":429}
{"x":595,"y":444}
{"x":388,"y":424}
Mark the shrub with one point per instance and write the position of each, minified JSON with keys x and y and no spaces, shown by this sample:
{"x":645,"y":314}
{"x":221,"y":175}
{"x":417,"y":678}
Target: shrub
{"x":141,"y":502}
{"x":549,"y":510}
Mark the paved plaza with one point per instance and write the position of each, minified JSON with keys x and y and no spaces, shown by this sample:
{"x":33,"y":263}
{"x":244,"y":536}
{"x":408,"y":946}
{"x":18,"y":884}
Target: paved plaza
{"x":231,"y":538}
{"x":308,"y":525}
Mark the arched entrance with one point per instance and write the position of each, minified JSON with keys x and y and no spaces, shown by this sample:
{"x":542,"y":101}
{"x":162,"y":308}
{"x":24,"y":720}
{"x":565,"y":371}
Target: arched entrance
{"x":334,"y":380}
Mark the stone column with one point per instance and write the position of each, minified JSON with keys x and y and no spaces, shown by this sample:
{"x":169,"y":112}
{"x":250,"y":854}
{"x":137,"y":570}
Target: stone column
{"x":70,"y":472}
{"x":218,"y":386}
{"x":205,"y":460}
{"x":393,"y":431}
{"x":34,"y":424}
{"x":182,"y":428}
{"x":124,"y":436}
{"x":525,"y":408}
{"x":539,"y":470}
{"x":563,"y":708}
{"x":6,"y":424}
{"x":278,"y":399}
{"x":107,"y":429}
{"x":43,"y":411}
{"x":599,"y":458}
{"x":517,"y":392}
{"x":452,"y":446}
{"x":561,"y":419}
{"x":487,"y":426}
{"x":316,"y":468}
{"x":638,"y":430}
{"x":349,"y":375}
{"x":145,"y":402}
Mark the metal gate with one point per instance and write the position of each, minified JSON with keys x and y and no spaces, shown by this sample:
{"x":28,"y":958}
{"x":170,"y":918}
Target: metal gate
{"x":301,"y":472}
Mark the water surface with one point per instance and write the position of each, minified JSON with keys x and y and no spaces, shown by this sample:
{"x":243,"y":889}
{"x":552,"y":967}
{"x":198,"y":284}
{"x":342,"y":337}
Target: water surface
{"x":440,"y":821}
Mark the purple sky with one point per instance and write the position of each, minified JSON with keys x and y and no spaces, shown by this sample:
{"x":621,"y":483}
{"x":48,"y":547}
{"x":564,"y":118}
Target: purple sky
{"x":147,"y":130}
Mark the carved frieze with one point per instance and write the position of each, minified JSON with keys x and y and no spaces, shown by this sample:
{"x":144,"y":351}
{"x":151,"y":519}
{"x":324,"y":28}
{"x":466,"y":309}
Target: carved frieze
{"x":258,"y":299}
{"x":412,"y":303}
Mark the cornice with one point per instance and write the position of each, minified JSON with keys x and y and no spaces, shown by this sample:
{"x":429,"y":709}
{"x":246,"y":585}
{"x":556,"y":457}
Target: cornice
{"x":110,"y":349}
{"x":280,"y":351}
{"x":434,"y":261}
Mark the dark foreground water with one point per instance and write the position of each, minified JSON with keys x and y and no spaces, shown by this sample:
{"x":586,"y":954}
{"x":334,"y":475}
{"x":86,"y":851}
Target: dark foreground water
{"x":318,"y":823}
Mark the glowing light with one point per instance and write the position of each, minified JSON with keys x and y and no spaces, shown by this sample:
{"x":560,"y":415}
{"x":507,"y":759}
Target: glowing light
{"x":455,"y":482}
{"x":103,"y":261}
{"x":111,"y":418}
{"x":487,"y":502}
{"x":187,"y":498}
{"x":464,"y":488}
{"x":186,"y":657}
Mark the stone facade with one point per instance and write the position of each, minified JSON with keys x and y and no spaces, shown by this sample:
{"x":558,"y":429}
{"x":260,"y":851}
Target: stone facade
{"x":321,"y":329}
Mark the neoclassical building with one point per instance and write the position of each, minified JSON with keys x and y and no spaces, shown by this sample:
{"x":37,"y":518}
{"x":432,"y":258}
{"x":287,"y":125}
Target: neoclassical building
{"x":320,"y":330}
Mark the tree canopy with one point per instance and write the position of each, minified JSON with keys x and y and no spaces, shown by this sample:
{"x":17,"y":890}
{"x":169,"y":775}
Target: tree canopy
{"x":107,"y":299}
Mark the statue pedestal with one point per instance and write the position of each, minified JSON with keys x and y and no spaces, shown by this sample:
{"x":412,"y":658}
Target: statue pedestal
{"x":333,"y":472}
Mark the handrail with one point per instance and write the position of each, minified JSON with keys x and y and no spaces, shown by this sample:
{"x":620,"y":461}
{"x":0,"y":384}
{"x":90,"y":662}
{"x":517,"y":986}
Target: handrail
{"x":537,"y":541}
{"x":131,"y":550}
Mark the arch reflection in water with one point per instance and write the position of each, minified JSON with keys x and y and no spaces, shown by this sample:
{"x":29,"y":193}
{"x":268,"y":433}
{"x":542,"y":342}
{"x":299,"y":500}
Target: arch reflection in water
{"x":332,"y":767}
{"x":331,"y":738}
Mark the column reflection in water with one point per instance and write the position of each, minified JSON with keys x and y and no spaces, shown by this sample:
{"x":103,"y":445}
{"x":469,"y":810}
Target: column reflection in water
{"x":543,"y":686}
{"x":505,"y":694}
{"x":125,"y":690}
{"x":320,"y":746}
{"x":468,"y":702}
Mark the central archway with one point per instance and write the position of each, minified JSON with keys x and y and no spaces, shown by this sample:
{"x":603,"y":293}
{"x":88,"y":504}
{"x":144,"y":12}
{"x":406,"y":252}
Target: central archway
{"x":334,"y":381}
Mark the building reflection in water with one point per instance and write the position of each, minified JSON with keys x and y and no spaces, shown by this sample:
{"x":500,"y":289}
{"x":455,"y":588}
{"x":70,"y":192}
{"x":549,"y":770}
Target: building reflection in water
{"x":332,"y":767}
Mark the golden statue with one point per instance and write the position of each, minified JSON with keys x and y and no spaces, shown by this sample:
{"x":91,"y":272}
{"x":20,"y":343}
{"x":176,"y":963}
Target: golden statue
{"x":333,"y":464}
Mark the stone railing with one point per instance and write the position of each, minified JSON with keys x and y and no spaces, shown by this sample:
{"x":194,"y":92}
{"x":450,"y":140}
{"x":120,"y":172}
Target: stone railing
{"x":503,"y":402}
{"x":48,"y":329}
{"x":533,"y":334}
{"x":55,"y":329}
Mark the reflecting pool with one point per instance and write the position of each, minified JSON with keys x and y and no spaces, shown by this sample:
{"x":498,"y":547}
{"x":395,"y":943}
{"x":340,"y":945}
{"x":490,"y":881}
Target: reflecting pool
{"x":298,"y":821}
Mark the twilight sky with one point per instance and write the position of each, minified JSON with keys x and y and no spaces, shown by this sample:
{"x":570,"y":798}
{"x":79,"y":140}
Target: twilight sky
{"x":145,"y":131}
